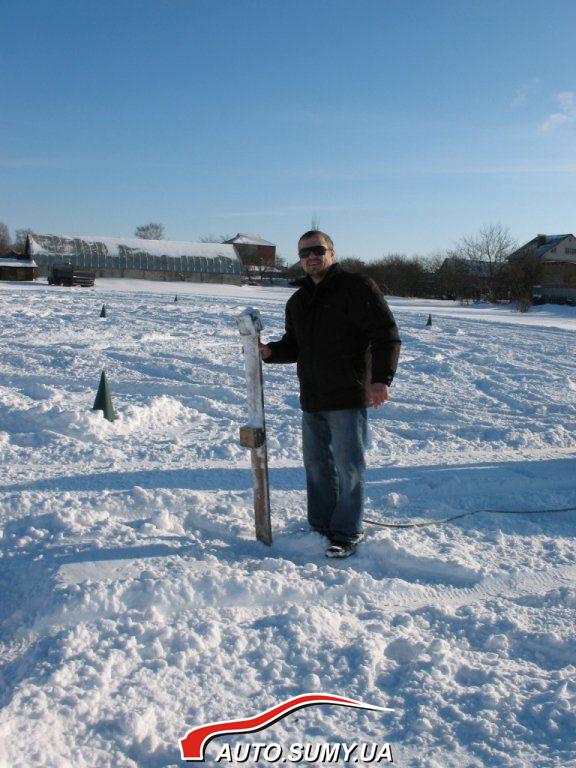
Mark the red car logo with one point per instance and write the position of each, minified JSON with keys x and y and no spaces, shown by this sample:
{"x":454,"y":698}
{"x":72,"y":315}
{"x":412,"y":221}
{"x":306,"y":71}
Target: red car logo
{"x":192,"y":746}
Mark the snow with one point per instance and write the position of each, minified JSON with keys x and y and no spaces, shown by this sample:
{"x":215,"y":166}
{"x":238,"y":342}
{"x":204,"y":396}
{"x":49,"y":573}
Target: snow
{"x":243,"y":239}
{"x":136,"y":604}
{"x":249,"y":326}
{"x":17,"y":263}
{"x":171,"y":248}
{"x":546,"y":315}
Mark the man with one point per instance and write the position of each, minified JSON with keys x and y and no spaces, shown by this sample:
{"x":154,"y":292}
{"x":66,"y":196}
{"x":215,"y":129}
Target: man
{"x":343,"y":337}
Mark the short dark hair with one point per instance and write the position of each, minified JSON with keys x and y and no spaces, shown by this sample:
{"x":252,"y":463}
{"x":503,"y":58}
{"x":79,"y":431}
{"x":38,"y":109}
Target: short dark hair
{"x":312,"y":232}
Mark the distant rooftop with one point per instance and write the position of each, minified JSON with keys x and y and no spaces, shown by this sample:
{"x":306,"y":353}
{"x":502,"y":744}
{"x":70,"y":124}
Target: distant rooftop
{"x":243,"y":239}
{"x":14,"y":262}
{"x":68,"y":245}
{"x":128,"y":253}
{"x":539,"y":245}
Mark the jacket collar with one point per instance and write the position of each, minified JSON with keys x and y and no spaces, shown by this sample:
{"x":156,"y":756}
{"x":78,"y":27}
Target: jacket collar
{"x":309,"y":284}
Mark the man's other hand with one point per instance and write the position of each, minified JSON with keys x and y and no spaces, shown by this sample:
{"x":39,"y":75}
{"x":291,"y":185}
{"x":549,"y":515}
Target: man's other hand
{"x":378,"y":394}
{"x":265,"y":351}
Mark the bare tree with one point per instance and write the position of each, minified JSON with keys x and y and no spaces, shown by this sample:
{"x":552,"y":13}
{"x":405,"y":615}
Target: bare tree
{"x":21,"y":235}
{"x":4,"y":237}
{"x":492,"y":244}
{"x":435,"y":260}
{"x":210,"y":238}
{"x":399,"y":275}
{"x":523,"y":276}
{"x":353,"y":264}
{"x":150,"y":231}
{"x":458,"y":280}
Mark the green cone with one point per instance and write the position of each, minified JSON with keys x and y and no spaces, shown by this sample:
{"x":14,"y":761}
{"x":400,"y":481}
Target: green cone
{"x":103,"y":311}
{"x":103,"y":401}
{"x":429,"y":321}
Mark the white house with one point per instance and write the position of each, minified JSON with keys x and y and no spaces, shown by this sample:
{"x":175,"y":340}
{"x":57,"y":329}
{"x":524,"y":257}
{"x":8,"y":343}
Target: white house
{"x":557,"y":254}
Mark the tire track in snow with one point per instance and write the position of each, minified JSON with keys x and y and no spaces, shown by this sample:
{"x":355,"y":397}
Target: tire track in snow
{"x":390,"y":596}
{"x":492,"y":588}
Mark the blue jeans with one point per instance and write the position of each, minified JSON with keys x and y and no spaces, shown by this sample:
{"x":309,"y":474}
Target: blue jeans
{"x":334,"y":443}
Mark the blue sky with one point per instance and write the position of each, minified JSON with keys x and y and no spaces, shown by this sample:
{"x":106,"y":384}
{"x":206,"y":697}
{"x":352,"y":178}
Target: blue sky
{"x":400,"y":125}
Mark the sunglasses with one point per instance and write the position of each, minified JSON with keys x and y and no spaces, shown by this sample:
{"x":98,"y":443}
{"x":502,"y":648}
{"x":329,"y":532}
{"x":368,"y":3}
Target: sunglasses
{"x":317,"y":250}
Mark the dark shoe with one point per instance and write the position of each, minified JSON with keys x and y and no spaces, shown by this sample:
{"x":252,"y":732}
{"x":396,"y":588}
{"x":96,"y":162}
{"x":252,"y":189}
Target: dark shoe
{"x":341,"y":549}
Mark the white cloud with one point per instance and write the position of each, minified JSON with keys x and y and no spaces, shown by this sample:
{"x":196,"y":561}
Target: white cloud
{"x":567,"y":114}
{"x":567,"y":101}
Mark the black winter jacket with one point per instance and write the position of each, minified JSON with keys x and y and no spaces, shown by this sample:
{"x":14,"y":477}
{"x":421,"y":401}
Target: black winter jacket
{"x":343,"y":337}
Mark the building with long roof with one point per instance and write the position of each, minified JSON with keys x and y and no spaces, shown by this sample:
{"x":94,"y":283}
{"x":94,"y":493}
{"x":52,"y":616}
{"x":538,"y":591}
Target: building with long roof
{"x":138,"y":257}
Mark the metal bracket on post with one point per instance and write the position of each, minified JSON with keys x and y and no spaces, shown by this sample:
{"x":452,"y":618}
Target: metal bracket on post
{"x":253,"y":434}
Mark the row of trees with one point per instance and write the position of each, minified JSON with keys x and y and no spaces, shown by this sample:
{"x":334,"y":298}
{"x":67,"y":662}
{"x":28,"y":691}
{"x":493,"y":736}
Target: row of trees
{"x":6,"y":242}
{"x":150,"y":231}
{"x":476,"y":267}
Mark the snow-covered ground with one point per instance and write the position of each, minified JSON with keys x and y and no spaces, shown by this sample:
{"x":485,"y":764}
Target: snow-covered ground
{"x":135,"y":603}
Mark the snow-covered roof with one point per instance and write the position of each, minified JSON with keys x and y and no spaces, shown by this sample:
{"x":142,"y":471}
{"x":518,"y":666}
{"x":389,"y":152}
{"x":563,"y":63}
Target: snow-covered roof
{"x":242,"y":239}
{"x":66,"y":245}
{"x":539,"y":245}
{"x":4,"y":262}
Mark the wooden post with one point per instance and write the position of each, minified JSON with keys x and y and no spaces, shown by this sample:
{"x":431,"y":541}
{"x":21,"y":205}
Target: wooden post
{"x":253,"y":434}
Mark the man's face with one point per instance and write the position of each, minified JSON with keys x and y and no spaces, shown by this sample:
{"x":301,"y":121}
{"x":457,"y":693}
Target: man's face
{"x":316,"y":265}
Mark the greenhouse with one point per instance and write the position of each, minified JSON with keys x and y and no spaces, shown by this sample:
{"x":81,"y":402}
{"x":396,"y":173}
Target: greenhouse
{"x":136,"y":257}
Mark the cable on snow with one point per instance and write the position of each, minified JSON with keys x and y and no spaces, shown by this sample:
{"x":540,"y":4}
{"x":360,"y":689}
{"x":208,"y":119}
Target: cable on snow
{"x":426,"y":523}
